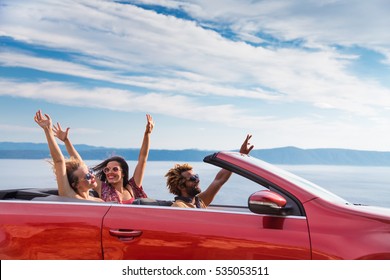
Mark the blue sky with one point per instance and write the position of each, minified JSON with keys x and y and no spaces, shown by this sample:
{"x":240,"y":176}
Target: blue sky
{"x":310,"y":74}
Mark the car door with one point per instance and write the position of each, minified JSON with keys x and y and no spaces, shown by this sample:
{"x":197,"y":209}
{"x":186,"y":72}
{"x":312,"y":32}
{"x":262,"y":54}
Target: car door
{"x":150,"y":232}
{"x":50,"y":230}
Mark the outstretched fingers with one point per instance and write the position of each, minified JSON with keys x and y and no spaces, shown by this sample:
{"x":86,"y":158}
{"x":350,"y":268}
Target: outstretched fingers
{"x":38,"y":116}
{"x":150,"y":123}
{"x":59,"y":133}
{"x":246,"y":147}
{"x":42,"y":121}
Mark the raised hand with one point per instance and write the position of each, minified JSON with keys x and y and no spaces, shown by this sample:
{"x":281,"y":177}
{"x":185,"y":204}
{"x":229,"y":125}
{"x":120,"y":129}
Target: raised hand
{"x":43,"y":121}
{"x":59,"y":133}
{"x":246,"y":147}
{"x":150,"y":124}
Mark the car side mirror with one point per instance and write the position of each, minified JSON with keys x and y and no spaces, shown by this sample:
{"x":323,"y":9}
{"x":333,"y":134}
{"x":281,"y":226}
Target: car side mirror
{"x":267,"y":202}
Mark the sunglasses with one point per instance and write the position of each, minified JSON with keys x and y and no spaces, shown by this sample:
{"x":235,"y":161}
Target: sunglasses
{"x":194,"y":178}
{"x":89,"y":175}
{"x":114,"y":169}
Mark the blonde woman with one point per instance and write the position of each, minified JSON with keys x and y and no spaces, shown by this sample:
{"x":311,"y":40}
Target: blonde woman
{"x":74,"y":178}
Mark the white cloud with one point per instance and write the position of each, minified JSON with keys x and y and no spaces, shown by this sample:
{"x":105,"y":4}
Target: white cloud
{"x":7,"y":128}
{"x":239,"y":70}
{"x":175,"y":66}
{"x":122,"y":100}
{"x":326,"y":22}
{"x":314,"y":131}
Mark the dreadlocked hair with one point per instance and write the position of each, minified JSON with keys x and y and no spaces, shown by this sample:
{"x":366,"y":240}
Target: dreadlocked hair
{"x":175,"y":179}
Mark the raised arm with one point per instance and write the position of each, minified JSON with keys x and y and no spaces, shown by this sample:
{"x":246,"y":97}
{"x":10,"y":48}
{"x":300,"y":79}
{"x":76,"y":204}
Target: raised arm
{"x":208,"y":195}
{"x":139,"y":170}
{"x":222,"y":176}
{"x":63,"y":136}
{"x":64,"y":189}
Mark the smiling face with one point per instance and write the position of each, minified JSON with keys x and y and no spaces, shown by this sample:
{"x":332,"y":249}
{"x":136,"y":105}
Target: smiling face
{"x":114,"y":173}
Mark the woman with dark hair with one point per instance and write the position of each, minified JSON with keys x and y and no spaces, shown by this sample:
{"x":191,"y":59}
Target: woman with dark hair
{"x":112,"y":175}
{"x":114,"y":183}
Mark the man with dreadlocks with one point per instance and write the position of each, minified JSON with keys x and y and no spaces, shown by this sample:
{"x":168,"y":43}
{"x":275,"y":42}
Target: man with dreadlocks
{"x":183,"y":182}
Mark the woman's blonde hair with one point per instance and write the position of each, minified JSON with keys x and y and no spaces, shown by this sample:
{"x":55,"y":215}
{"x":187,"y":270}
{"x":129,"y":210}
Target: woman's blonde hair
{"x":175,"y":179}
{"x":71,"y":165}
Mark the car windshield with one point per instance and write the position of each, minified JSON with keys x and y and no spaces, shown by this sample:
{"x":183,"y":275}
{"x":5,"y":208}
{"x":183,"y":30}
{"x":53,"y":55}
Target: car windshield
{"x":296,"y":180}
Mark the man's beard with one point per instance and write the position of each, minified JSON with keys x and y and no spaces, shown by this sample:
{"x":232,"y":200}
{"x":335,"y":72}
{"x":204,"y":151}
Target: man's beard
{"x":193,"y":191}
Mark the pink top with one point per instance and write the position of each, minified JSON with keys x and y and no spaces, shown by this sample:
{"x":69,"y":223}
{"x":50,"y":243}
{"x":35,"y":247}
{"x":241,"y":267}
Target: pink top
{"x":110,"y":194}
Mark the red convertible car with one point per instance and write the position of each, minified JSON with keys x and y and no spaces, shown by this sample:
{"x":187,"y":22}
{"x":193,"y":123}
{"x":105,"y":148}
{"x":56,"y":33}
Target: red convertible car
{"x":287,"y":218}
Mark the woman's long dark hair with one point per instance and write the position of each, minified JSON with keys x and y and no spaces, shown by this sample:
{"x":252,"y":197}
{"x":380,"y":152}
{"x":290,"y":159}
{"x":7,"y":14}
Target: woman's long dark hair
{"x":98,"y":169}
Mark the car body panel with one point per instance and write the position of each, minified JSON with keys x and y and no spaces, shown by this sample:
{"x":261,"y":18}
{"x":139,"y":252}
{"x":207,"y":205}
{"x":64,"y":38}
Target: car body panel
{"x":44,"y":230}
{"x":347,"y":231}
{"x":203,"y":234}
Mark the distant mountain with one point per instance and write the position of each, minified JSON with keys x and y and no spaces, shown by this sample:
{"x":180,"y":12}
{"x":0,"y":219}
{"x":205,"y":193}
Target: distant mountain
{"x":284,"y":155}
{"x":13,"y":150}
